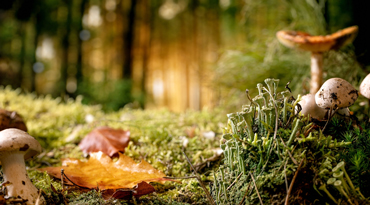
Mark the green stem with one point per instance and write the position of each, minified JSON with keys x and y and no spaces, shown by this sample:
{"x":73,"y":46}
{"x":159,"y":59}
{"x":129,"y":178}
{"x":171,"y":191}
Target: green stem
{"x":323,"y":188}
{"x":292,"y":135}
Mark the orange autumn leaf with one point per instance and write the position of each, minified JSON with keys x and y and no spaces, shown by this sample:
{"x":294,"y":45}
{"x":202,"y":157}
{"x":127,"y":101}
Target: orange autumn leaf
{"x":105,"y":139}
{"x":101,"y":172}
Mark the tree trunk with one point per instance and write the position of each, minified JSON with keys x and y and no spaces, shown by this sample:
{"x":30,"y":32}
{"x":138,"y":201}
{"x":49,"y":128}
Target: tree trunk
{"x":22,"y":55}
{"x":34,"y":59}
{"x":65,"y":48}
{"x":147,"y":41}
{"x":79,"y":74}
{"x":128,"y":38}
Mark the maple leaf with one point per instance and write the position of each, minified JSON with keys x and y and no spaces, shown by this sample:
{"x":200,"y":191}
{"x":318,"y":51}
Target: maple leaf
{"x":105,"y":174}
{"x":105,"y":139}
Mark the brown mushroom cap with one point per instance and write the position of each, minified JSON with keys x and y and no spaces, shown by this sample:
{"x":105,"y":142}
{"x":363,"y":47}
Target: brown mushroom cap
{"x":304,"y":41}
{"x":13,"y":139}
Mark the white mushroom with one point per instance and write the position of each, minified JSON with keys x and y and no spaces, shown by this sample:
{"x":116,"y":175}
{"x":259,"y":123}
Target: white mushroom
{"x":365,"y":87}
{"x":336,"y":93}
{"x":309,"y":107}
{"x":16,"y":146}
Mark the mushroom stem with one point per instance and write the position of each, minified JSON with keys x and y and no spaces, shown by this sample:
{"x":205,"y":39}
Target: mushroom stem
{"x":14,"y":172}
{"x":316,"y":71}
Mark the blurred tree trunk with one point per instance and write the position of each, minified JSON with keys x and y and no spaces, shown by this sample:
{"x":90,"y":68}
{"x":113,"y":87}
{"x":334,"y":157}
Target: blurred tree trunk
{"x":22,"y":55}
{"x":195,"y":96}
{"x":148,"y":18}
{"x":34,"y":58}
{"x":65,"y":48}
{"x":128,"y":39}
{"x":79,"y":74}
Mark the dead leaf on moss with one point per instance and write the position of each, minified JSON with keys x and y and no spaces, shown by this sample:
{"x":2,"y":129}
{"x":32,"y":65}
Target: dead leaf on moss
{"x":105,"y":139}
{"x":11,"y":119}
{"x":112,"y":177}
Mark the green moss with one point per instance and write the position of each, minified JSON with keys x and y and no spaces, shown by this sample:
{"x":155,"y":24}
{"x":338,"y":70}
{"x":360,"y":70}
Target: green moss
{"x":157,"y":136}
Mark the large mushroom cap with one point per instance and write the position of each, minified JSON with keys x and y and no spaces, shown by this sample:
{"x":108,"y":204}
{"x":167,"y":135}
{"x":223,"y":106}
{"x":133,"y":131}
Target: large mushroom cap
{"x":305,"y":41}
{"x":13,"y":139}
{"x":336,"y":93}
{"x":365,"y":87}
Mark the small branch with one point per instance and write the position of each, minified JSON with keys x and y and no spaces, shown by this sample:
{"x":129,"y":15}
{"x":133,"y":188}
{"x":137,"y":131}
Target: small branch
{"x":234,"y":181}
{"x":256,"y":188}
{"x":62,"y":174}
{"x":61,"y":178}
{"x":330,"y":116}
{"x":210,"y":199}
{"x":292,"y":183}
{"x":186,"y":177}
{"x":286,"y":180}
{"x":290,"y":155}
{"x":246,"y":192}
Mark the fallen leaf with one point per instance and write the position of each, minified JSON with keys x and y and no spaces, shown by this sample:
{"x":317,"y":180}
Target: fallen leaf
{"x":11,"y":119}
{"x":105,"y":174}
{"x":108,"y":140}
{"x":142,"y":188}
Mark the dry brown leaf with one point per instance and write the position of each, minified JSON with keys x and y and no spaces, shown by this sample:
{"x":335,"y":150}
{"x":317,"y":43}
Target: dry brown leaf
{"x":105,"y":139}
{"x":101,"y":172}
{"x":11,"y":119}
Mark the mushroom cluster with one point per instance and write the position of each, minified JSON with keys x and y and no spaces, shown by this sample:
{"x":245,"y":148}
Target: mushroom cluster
{"x":317,"y":45}
{"x":16,"y":146}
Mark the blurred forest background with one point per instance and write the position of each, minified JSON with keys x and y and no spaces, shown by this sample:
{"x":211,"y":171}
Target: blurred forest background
{"x":180,"y":54}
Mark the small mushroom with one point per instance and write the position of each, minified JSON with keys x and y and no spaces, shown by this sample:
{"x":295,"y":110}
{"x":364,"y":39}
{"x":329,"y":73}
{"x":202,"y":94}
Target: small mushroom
{"x":365,"y":87}
{"x":309,"y":107}
{"x":317,"y":45}
{"x":16,"y":146}
{"x":336,"y":93}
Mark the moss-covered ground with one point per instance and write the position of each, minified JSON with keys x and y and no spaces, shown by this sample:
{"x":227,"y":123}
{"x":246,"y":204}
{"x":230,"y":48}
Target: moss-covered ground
{"x":261,"y":162}
{"x":157,"y":136}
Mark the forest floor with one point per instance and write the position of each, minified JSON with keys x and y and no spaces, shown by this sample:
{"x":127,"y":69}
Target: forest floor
{"x":225,"y":159}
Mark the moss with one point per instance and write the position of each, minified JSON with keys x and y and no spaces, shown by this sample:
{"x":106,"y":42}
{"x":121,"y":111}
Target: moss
{"x":157,"y":136}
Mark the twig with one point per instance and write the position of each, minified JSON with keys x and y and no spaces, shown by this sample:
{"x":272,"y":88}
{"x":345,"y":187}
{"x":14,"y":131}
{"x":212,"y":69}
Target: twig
{"x":286,"y":180}
{"x":62,"y":174}
{"x":246,"y":192}
{"x":61,"y":178}
{"x":256,"y":188}
{"x":210,"y":199}
{"x":330,"y":116}
{"x":290,"y":155}
{"x":232,"y":184}
{"x":186,"y":177}
{"x":291,"y":184}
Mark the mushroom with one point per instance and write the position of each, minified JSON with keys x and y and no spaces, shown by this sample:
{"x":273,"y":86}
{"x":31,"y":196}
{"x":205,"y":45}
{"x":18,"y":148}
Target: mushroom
{"x":336,"y":93}
{"x":16,"y":146}
{"x":309,"y":107}
{"x":317,"y":45}
{"x":365,"y":87}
